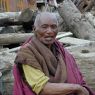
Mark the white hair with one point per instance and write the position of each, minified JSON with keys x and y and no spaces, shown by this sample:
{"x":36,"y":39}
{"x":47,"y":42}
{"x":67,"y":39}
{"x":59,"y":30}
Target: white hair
{"x":38,"y":17}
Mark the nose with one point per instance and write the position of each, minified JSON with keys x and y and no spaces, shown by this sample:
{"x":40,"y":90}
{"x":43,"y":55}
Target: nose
{"x":49,"y":30}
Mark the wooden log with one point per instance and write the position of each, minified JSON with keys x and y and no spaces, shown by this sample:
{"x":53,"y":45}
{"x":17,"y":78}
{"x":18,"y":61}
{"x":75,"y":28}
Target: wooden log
{"x":91,"y":18}
{"x":84,"y":5}
{"x":9,"y":22}
{"x":25,"y":18}
{"x":59,"y":36}
{"x":14,"y":15}
{"x":27,"y":15}
{"x":76,"y":21}
{"x":74,"y":41}
{"x":63,"y":34}
{"x":10,"y":50}
{"x":6,"y":22}
{"x":12,"y":38}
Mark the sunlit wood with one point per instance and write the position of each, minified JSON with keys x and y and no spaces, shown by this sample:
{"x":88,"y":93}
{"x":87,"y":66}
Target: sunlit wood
{"x":5,"y":5}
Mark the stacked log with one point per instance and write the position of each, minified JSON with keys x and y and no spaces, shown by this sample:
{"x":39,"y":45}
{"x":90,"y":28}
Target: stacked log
{"x":84,"y":5}
{"x":76,"y":21}
{"x":6,"y":39}
{"x":25,"y":18}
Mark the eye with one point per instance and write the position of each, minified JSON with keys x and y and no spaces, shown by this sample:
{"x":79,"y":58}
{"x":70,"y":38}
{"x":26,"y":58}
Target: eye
{"x":44,"y":26}
{"x":53,"y":26}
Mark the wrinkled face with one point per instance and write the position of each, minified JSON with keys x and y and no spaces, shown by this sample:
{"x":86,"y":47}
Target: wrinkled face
{"x":46,"y":30}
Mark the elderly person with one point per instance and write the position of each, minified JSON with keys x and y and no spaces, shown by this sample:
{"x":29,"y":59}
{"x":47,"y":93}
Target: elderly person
{"x":44,"y":67}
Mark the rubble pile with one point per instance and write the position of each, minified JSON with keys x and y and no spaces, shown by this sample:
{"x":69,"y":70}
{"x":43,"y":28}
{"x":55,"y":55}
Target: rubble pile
{"x":76,"y":33}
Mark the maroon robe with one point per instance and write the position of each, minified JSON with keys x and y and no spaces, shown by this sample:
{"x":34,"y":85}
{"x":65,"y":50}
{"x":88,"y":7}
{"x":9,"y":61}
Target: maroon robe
{"x":73,"y":74}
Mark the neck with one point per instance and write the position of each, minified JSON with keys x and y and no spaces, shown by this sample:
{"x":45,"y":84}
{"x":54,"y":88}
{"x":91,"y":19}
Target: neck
{"x":48,"y":46}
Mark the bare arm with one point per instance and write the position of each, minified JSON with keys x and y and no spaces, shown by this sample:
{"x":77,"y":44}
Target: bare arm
{"x":63,"y":89}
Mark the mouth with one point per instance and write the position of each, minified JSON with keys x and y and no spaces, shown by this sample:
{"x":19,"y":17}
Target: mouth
{"x":49,"y":38}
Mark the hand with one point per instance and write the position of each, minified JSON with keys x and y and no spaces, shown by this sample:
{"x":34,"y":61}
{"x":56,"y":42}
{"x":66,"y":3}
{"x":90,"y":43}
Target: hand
{"x":82,"y":91}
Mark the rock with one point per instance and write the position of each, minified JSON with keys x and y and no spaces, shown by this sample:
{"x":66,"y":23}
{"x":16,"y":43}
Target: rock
{"x":6,"y":80}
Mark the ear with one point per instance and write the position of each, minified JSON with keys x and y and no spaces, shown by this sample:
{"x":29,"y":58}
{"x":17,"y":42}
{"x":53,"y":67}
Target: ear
{"x":34,"y":30}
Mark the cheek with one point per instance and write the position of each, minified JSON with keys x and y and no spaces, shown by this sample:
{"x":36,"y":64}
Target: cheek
{"x":39,"y":34}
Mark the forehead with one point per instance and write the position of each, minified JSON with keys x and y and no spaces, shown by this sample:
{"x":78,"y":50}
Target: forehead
{"x":48,"y":19}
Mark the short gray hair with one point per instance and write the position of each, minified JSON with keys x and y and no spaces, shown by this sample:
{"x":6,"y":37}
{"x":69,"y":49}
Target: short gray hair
{"x":37,"y":19}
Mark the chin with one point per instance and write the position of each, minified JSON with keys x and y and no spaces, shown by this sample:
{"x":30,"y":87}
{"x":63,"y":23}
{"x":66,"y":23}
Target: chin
{"x":49,"y":43}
